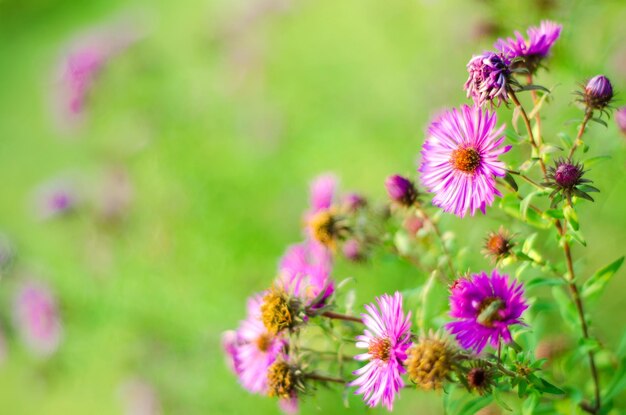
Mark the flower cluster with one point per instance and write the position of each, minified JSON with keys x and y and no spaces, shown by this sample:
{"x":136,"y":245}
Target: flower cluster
{"x":475,"y":341}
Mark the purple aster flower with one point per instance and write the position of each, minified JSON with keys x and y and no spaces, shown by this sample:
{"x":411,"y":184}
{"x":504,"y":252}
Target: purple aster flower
{"x":37,"y":318}
{"x":387,"y":337}
{"x":304,"y":272}
{"x":532,"y":50}
{"x":401,"y":190}
{"x":484,"y":308}
{"x":460,"y":160}
{"x":567,"y":179}
{"x":620,"y":119}
{"x":488,"y":80}
{"x":255,"y":349}
{"x":597,"y":94}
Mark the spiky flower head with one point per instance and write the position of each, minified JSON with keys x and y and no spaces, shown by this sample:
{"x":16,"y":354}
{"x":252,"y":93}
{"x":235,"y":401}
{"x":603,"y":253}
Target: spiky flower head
{"x":597,"y":94}
{"x":528,"y":53}
{"x":284,"y":379}
{"x":620,"y":119}
{"x":498,"y":245}
{"x":484,"y":308}
{"x":489,"y":78}
{"x":460,"y":160}
{"x":401,"y":190}
{"x":386,"y":338}
{"x":327,"y":227}
{"x":280,"y":311}
{"x":566,"y":178}
{"x":430,"y":361}
{"x":480,"y":378}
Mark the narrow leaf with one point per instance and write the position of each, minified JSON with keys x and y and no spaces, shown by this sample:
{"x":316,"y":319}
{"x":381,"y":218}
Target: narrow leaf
{"x":594,"y":286}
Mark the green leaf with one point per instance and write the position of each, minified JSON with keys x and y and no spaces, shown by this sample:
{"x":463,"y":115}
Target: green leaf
{"x":475,"y":405}
{"x":578,"y":237}
{"x":547,"y":387}
{"x":566,"y":139}
{"x":600,"y":121}
{"x":594,"y":286}
{"x":498,"y":398}
{"x":595,"y":160}
{"x":617,"y":383}
{"x":511,"y":181}
{"x":554,"y":213}
{"x":588,"y":345}
{"x":523,"y":207}
{"x":571,"y":216}
{"x":544,"y":282}
{"x":528,"y":408}
{"x":566,"y":308}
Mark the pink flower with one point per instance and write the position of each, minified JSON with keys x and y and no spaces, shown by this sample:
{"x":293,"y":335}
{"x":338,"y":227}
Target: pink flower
{"x":304,"y":272}
{"x":387,"y":337}
{"x":254,"y":349}
{"x":322,"y":192}
{"x":37,"y":318}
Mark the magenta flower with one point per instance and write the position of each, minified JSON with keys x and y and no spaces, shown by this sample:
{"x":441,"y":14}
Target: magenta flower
{"x":254,"y":350}
{"x":81,"y":68}
{"x":37,"y":318}
{"x":322,"y":192}
{"x":598,"y":93}
{"x":304,"y":272}
{"x":535,"y":48}
{"x":488,"y":79}
{"x":620,"y":119}
{"x":401,"y":190}
{"x":56,"y":198}
{"x":460,"y":160}
{"x":484,"y":308}
{"x":387,"y":337}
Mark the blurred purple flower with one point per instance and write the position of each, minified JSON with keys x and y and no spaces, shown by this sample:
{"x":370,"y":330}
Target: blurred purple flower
{"x":37,"y":318}
{"x":116,"y":195}
{"x":56,"y":198}
{"x":535,"y":48}
{"x":401,"y":190}
{"x":322,"y":193}
{"x":304,"y":272}
{"x":387,"y":337}
{"x":484,"y":308}
{"x":353,"y":202}
{"x":353,"y":250}
{"x":140,"y":398}
{"x":460,"y":160}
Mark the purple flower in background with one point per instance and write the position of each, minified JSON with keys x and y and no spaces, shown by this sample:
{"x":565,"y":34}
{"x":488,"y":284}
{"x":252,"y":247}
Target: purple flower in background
{"x":387,"y":337}
{"x":353,"y":250}
{"x":488,"y":78}
{"x":401,"y":190}
{"x":254,"y":350}
{"x":81,"y":67}
{"x":620,"y":119}
{"x":322,"y":193}
{"x":352,"y":202}
{"x":304,"y":272}
{"x":140,"y":398}
{"x":532,"y":50}
{"x":37,"y":318}
{"x":484,"y":308}
{"x":56,"y":198}
{"x":460,"y":160}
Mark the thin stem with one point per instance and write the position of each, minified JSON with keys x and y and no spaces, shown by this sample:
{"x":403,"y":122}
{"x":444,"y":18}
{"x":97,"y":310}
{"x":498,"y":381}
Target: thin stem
{"x":581,"y":315}
{"x":571,"y":279}
{"x":440,"y":236}
{"x":581,"y":131}
{"x":533,"y":94}
{"x":344,"y":317}
{"x":322,"y":378}
{"x":531,"y":137}
{"x":527,"y":179}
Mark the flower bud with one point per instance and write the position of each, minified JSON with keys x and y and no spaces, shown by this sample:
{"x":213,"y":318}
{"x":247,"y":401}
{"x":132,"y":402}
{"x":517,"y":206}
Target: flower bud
{"x":353,"y":202}
{"x":401,"y":190}
{"x":353,"y":250}
{"x":598,"y":93}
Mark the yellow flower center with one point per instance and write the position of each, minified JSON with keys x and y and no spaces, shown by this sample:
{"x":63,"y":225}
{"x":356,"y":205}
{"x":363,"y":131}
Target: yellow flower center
{"x":429,"y":363}
{"x":465,"y":159}
{"x":276,"y":312}
{"x":380,"y":349}
{"x":280,"y":380}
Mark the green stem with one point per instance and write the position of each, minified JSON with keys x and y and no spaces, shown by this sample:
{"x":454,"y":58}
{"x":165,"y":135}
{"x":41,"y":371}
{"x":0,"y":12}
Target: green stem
{"x":581,"y":131}
{"x":344,"y":317}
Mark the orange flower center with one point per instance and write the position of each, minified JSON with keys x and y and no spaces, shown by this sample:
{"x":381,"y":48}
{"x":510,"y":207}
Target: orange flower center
{"x":465,"y":159}
{"x":380,"y":349}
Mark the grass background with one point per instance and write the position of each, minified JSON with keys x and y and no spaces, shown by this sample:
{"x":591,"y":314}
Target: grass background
{"x":220,"y":116}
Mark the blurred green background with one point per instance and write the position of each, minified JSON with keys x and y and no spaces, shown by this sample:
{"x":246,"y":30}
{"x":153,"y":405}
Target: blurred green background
{"x":220,"y":116}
